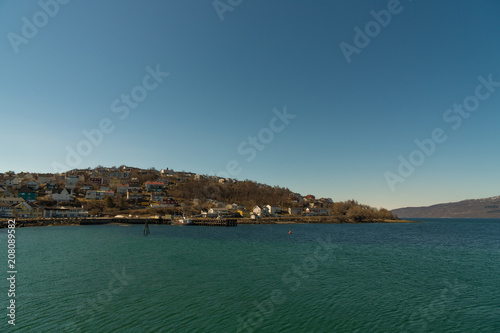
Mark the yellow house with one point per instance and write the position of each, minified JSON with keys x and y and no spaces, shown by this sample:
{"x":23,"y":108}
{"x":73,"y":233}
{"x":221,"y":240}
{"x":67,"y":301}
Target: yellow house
{"x":114,"y":182}
{"x":24,"y":210}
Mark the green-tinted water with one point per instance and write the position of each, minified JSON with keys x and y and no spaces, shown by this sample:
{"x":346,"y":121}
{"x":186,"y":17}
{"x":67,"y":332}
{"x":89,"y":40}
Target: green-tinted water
{"x":437,"y":276}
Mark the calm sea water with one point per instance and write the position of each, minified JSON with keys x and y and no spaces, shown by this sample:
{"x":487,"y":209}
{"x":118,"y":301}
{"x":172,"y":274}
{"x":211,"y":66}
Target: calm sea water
{"x":435,"y":276}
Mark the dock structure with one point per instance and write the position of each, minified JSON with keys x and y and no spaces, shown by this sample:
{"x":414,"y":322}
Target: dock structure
{"x":216,"y":222}
{"x":32,"y":222}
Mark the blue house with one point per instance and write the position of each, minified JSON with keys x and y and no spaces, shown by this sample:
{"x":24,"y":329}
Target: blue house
{"x":27,"y":194}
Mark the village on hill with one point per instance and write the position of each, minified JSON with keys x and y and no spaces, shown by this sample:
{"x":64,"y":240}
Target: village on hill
{"x":127,"y":191}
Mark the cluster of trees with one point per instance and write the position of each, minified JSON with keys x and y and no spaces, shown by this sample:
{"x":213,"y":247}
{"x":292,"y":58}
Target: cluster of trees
{"x":249,"y":194}
{"x":353,"y":210}
{"x":246,"y":193}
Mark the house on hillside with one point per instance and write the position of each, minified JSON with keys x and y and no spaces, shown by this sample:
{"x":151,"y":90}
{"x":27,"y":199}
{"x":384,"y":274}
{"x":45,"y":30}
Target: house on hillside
{"x":11,"y":200}
{"x":72,"y":180}
{"x":169,"y":202}
{"x":295,"y":211}
{"x":11,"y":181}
{"x":98,"y":194}
{"x":273,"y":209}
{"x":44,"y":178}
{"x":167,"y":171}
{"x":154,"y":186}
{"x":122,"y":189}
{"x":32,"y":184}
{"x":165,"y":202}
{"x":156,"y":196}
{"x":260,"y":210}
{"x":96,"y":180}
{"x":26,"y":210}
{"x":61,"y":195}
{"x":234,"y":207}
{"x":27,"y":194}
{"x":6,"y":209}
{"x":214,"y":212}
{"x":133,"y":182}
{"x":134,"y":195}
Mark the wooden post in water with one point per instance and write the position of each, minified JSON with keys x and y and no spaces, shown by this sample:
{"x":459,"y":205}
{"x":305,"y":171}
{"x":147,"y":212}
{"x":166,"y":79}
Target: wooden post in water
{"x":146,"y":229}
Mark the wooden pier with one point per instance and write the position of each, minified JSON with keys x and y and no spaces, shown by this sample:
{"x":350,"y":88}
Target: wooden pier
{"x":216,"y":222}
{"x":107,"y":220}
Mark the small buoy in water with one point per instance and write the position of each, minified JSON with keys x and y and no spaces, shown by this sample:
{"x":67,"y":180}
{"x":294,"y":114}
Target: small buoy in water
{"x":289,"y":232}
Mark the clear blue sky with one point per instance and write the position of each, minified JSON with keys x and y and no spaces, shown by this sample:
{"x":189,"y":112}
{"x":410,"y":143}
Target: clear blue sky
{"x":352,"y":120}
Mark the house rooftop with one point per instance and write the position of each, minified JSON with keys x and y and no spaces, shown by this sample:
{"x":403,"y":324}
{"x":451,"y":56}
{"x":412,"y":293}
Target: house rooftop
{"x":25,"y":189}
{"x":12,"y":200}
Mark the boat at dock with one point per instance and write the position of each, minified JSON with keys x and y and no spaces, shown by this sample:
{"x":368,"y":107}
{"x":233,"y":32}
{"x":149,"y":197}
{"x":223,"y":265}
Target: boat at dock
{"x":183,"y":221}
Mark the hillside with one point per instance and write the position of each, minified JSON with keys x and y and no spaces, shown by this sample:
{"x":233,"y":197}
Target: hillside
{"x":124,"y":190}
{"x":476,"y":208}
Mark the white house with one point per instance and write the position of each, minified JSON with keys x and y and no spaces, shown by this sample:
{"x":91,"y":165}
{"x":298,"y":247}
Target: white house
{"x":260,"y":210}
{"x":61,"y":195}
{"x":217,"y":211}
{"x":214,"y":212}
{"x":273,"y":209}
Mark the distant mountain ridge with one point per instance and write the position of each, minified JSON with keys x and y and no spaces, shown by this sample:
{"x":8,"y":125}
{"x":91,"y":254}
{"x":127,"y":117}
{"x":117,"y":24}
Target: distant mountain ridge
{"x":474,"y":208}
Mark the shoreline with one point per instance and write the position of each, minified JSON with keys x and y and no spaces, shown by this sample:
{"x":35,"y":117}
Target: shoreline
{"x":43,"y":222}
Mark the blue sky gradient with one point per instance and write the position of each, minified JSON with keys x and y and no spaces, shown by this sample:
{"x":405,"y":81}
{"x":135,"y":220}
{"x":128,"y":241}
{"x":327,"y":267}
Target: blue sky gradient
{"x":352,"y":120}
